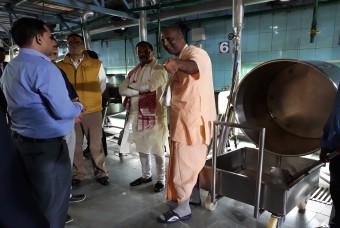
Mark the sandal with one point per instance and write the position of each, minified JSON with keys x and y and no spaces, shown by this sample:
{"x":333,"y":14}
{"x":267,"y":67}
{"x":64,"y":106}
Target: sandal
{"x":172,"y":217}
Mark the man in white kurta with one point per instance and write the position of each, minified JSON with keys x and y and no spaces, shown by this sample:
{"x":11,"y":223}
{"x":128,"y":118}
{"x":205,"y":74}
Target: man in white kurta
{"x":146,"y":128}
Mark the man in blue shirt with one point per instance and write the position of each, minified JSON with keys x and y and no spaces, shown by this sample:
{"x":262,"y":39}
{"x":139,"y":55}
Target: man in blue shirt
{"x":42,"y":114}
{"x":16,"y":197}
{"x":330,"y":142}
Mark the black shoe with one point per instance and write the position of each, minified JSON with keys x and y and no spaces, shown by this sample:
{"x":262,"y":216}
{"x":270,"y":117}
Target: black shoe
{"x":68,"y":219}
{"x":159,"y":186}
{"x":75,"y":183}
{"x":77,"y":198}
{"x":104,"y":180}
{"x":140,"y":181}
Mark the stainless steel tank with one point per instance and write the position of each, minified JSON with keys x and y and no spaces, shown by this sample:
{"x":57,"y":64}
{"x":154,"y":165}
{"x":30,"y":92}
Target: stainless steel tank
{"x":292,"y":99}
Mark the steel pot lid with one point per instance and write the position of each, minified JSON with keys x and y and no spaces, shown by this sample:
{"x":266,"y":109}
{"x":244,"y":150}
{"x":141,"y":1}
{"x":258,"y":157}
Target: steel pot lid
{"x":292,"y":99}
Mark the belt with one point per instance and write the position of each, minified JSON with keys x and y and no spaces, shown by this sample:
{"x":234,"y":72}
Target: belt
{"x":33,"y":140}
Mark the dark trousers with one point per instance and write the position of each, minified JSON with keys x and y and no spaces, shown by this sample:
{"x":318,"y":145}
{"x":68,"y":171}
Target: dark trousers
{"x":334,"y":169}
{"x":18,"y":206}
{"x":49,"y":171}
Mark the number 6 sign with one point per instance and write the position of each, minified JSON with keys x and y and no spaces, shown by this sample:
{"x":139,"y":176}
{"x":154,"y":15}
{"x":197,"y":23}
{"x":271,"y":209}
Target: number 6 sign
{"x":224,"y":47}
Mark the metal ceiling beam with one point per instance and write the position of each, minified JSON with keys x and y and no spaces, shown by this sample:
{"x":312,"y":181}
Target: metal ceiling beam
{"x":204,"y":7}
{"x":200,"y":8}
{"x":52,"y":19}
{"x":116,"y":26}
{"x":18,"y":2}
{"x":89,"y":7}
{"x":165,"y":5}
{"x":5,"y":30}
{"x":126,"y":4}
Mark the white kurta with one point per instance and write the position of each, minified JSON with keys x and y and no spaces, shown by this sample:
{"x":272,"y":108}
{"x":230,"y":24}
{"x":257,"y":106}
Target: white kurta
{"x":150,"y":77}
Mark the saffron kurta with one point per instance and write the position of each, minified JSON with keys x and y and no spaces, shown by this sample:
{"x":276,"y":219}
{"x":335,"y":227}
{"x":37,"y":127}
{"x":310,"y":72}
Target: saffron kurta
{"x":192,"y":113}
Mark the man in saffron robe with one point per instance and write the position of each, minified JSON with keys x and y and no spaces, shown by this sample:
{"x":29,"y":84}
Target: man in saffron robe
{"x":192,"y":112}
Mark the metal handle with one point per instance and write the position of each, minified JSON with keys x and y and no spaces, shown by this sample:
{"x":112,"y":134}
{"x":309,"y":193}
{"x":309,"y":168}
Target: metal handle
{"x":259,"y":173}
{"x":259,"y":160}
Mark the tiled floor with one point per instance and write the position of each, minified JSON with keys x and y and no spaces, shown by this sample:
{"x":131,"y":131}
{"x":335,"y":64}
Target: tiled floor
{"x":119,"y":205}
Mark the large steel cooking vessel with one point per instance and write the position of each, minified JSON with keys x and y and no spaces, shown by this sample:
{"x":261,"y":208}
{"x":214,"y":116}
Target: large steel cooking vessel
{"x":292,"y":99}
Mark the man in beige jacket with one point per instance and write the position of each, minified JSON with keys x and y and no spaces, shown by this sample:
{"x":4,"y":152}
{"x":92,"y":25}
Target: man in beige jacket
{"x":88,"y":78}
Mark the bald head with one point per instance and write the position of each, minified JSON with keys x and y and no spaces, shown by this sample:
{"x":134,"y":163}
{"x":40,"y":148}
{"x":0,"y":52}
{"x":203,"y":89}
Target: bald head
{"x":173,"y":40}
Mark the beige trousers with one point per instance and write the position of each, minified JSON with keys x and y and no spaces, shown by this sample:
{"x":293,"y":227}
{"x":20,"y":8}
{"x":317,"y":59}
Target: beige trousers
{"x":185,"y":163}
{"x":91,"y":127}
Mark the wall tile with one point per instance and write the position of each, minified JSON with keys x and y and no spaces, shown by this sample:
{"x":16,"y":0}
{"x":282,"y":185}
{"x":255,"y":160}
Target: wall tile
{"x":293,"y":39}
{"x":227,"y":78}
{"x":279,"y":40}
{"x":250,"y":57}
{"x":220,"y":29}
{"x":337,"y":15}
{"x":253,"y":42}
{"x":209,"y":31}
{"x":336,"y":38}
{"x":265,"y":56}
{"x":244,"y":43}
{"x":252,"y":24}
{"x":221,"y":61}
{"x":307,"y":54}
{"x":336,"y":52}
{"x":324,"y":39}
{"x":265,"y":42}
{"x":218,"y":79}
{"x":294,"y":20}
{"x":211,"y":46}
{"x":266,"y":23}
{"x":277,"y":54}
{"x":306,"y":18}
{"x":229,"y":26}
{"x":290,"y":54}
{"x":323,"y":54}
{"x":326,"y":16}
{"x":280,"y":21}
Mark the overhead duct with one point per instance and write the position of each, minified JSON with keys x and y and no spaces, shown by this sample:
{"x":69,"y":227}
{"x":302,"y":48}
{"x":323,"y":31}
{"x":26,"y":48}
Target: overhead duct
{"x":205,"y":7}
{"x":142,"y":22}
{"x":87,"y":15}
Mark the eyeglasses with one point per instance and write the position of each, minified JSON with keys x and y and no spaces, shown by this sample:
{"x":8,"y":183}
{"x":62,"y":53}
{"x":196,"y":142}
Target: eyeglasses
{"x":77,"y":43}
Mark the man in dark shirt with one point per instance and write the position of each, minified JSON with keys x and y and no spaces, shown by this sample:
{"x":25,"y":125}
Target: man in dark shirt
{"x":16,"y":195}
{"x":71,"y":138}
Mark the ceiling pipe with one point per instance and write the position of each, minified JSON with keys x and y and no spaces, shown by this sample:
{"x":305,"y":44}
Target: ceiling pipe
{"x":19,"y":3}
{"x":87,"y":15}
{"x":205,"y":7}
{"x":142,"y":22}
{"x":164,"y":5}
{"x":91,"y":7}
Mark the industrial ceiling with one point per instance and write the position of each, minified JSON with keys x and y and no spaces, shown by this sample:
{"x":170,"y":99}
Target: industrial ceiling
{"x":116,"y":19}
